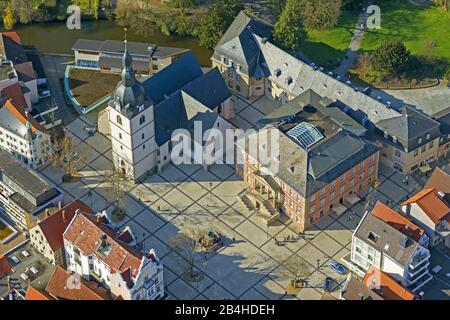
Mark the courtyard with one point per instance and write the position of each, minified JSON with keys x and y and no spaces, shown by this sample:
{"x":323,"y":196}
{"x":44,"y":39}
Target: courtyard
{"x":249,"y":265}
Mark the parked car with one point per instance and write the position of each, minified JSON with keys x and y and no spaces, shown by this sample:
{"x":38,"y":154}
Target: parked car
{"x":367,"y":90}
{"x":336,"y":266}
{"x":328,"y":284}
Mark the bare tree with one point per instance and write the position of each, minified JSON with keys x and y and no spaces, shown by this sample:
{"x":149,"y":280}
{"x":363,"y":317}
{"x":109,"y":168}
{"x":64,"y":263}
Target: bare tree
{"x":187,"y":243}
{"x":298,"y":270}
{"x":65,"y":156}
{"x":114,"y":181}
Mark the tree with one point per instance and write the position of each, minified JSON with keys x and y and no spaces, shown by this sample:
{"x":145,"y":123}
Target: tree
{"x":390,"y":56}
{"x":187,"y":243}
{"x":24,"y":9}
{"x":364,"y":64}
{"x":8,"y":18}
{"x":322,"y":14}
{"x":66,"y":157}
{"x":298,"y":270}
{"x":114,"y":181}
{"x":289,"y":30}
{"x":220,"y":16}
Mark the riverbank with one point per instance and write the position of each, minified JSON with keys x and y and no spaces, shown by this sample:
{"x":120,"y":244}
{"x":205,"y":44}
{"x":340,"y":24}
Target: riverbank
{"x":54,"y":37}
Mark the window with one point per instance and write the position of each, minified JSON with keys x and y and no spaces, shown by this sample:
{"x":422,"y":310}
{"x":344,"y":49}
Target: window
{"x":322,"y":191}
{"x":230,"y":73}
{"x":351,"y":183}
{"x":322,"y":203}
{"x":143,"y":146}
{"x":428,"y":136}
{"x":142,"y":119}
{"x":238,"y":88}
{"x":332,"y":195}
{"x":424,"y":148}
{"x":371,"y":170}
{"x":342,"y":190}
{"x":430,"y":145}
{"x":120,"y":135}
{"x":312,"y":208}
{"x":420,"y":140}
{"x":416,"y":152}
{"x":238,"y":78}
{"x":119,"y":120}
{"x":398,"y":153}
{"x":342,"y":178}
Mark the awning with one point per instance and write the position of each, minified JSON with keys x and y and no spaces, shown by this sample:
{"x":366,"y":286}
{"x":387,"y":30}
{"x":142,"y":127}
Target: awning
{"x":353,"y":199}
{"x":425,"y":169}
{"x":339,"y":209}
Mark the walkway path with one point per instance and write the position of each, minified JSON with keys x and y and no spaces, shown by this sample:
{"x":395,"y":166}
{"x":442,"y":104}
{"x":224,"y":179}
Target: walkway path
{"x":352,"y":52}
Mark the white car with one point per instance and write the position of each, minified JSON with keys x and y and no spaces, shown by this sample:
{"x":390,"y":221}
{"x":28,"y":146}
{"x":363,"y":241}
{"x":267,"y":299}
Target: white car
{"x":436,"y":269}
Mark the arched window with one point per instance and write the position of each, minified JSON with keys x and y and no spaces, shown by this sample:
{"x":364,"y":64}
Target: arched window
{"x":119,"y":120}
{"x":142,"y":119}
{"x":122,"y":163}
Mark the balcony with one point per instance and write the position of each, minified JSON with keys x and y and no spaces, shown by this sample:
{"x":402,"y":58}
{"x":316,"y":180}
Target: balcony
{"x":414,"y":273}
{"x":419,"y":260}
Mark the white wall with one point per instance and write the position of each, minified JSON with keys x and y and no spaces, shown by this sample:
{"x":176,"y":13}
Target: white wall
{"x":391,"y":267}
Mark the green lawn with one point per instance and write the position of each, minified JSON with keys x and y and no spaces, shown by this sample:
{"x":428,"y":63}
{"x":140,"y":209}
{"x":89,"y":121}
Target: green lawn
{"x":325,"y":47}
{"x":415,"y":26}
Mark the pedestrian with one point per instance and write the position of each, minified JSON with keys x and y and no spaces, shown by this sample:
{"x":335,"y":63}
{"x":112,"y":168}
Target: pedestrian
{"x":234,"y":239}
{"x":159,"y":208}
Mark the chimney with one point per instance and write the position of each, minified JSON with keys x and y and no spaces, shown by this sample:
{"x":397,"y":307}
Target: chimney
{"x":9,"y":283}
{"x":99,"y":218}
{"x":59,"y":205}
{"x":47,"y":213}
{"x":361,"y":296}
{"x":63,"y":213}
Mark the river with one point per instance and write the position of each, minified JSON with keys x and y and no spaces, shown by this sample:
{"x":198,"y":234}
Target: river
{"x":54,"y":37}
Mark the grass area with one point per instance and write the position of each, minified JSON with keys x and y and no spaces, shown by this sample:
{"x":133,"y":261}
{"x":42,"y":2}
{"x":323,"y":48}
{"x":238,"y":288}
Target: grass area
{"x":327,"y":47}
{"x":5,"y":231}
{"x":415,"y":26}
{"x":89,"y":86}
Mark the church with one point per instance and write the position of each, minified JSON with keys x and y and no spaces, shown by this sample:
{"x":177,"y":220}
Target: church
{"x":142,"y":115}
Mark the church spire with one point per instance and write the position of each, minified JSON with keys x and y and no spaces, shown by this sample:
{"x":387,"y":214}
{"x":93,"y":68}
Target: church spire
{"x":128,"y":77}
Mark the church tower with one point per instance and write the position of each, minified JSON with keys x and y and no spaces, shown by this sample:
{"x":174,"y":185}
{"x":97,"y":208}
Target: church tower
{"x":130,"y":115}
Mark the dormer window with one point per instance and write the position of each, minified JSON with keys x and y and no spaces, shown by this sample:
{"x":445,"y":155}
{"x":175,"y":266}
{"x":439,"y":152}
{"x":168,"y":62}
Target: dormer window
{"x":420,"y":140}
{"x":428,"y":136}
{"x":386,"y":135}
{"x":373,"y":237}
{"x":289,"y":80}
{"x":277,"y":72}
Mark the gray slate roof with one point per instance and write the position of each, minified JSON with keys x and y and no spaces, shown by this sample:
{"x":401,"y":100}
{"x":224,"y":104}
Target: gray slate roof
{"x":192,"y":102}
{"x":31,"y":189}
{"x":239,"y":44}
{"x":409,"y":127}
{"x":307,"y":171}
{"x":387,"y":236}
{"x":117,"y":47}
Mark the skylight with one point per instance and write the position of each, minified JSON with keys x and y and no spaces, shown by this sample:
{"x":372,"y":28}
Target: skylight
{"x":305,"y":134}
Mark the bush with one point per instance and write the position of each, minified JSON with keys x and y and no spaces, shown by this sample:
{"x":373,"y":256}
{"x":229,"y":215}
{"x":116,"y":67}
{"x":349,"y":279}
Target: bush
{"x":390,"y":57}
{"x":447,"y":76}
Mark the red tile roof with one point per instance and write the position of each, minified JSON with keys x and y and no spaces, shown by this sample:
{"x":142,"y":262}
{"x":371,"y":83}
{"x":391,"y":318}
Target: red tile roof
{"x":20,"y":114}
{"x":386,"y":286}
{"x":440,"y":180}
{"x":86,"y":233}
{"x":13,"y":36}
{"x":15,"y":94}
{"x":5,"y":266}
{"x":397,"y":221}
{"x":64,"y":285}
{"x":54,"y":226}
{"x":431,"y":203}
{"x":35,"y":294}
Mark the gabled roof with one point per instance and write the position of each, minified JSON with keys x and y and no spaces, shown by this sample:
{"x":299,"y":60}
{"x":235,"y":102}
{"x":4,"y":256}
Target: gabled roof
{"x":14,"y":93}
{"x":397,"y":221}
{"x":66,"y":286}
{"x":88,"y":235}
{"x":409,"y":127}
{"x":35,"y":294}
{"x":5,"y":266}
{"x":54,"y":226}
{"x":13,"y":36}
{"x":17,"y":119}
{"x":25,"y":71}
{"x":12,"y":50}
{"x":239,"y":44}
{"x":431,"y":204}
{"x":356,"y":290}
{"x":386,"y":286}
{"x":440,"y":180}
{"x":386,"y":238}
{"x":172,"y":78}
{"x":182,"y":108}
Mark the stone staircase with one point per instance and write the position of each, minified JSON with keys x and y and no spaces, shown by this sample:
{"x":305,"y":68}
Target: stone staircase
{"x":266,"y":212}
